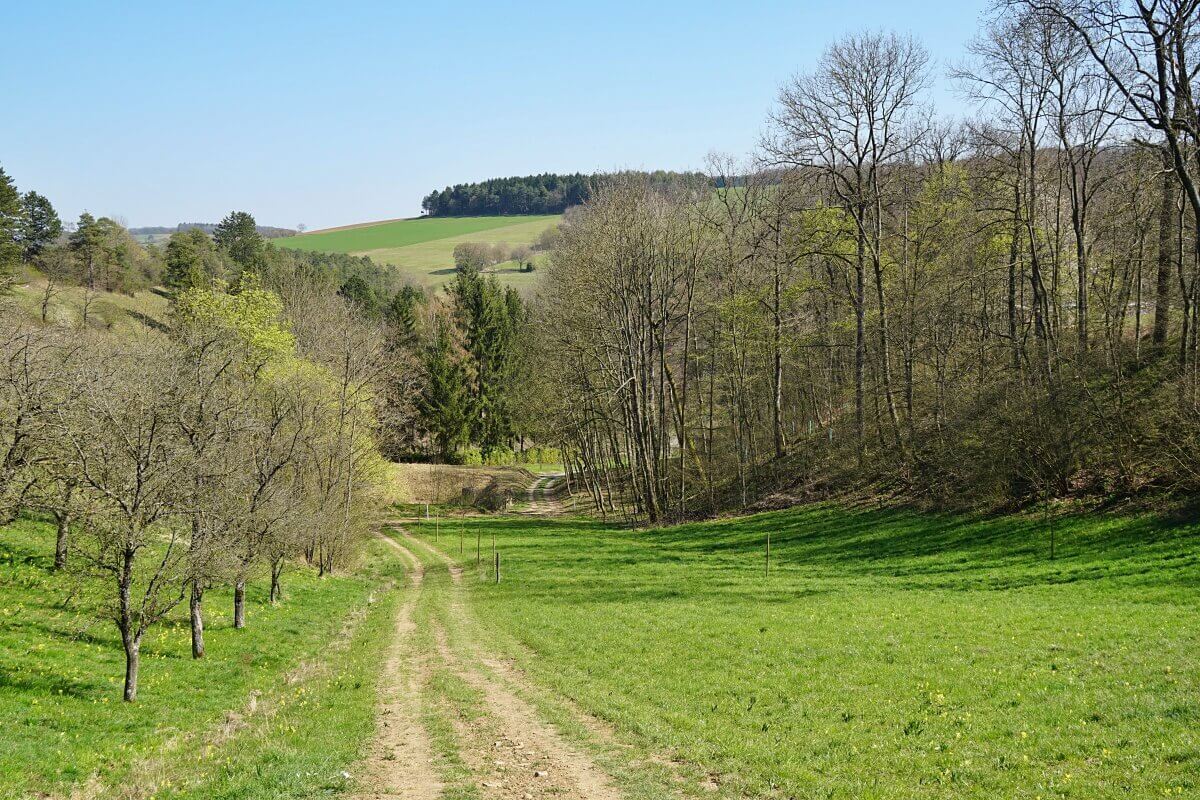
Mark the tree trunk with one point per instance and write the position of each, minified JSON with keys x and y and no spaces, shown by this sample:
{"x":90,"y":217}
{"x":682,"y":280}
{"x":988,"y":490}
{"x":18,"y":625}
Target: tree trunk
{"x":62,"y":540}
{"x":860,"y":349}
{"x":197,"y":616}
{"x":129,"y":638}
{"x":133,"y":646}
{"x":276,"y":587}
{"x":239,"y":604}
{"x":1166,"y":247}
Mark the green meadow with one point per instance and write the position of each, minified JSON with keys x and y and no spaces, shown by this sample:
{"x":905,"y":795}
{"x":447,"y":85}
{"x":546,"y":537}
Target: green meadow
{"x":311,"y":665}
{"x":886,"y":654}
{"x":421,"y":249}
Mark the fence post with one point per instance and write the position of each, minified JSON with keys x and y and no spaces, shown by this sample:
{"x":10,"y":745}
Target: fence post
{"x":767,"y":570}
{"x":497,"y":566}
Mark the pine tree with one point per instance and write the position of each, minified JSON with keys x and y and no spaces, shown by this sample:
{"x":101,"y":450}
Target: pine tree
{"x":11,"y":213}
{"x":238,"y":236}
{"x":445,"y":402}
{"x":40,"y":225}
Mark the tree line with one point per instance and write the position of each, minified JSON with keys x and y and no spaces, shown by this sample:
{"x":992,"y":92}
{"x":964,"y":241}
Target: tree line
{"x":215,"y":448}
{"x":983,"y":313}
{"x":266,"y":231}
{"x":547,"y":193}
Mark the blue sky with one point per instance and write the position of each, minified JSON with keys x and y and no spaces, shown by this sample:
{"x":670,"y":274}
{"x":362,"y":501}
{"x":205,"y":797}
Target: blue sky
{"x":329,"y":113}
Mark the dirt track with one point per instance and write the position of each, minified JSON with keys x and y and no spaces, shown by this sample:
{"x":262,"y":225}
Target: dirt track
{"x":510,"y":750}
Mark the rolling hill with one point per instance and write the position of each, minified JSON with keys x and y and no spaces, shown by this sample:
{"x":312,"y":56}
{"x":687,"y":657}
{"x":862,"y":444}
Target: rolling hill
{"x":421,"y":249}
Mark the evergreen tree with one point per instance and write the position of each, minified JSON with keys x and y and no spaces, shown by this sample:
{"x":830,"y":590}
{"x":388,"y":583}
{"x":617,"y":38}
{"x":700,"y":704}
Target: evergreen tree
{"x":356,"y":290}
{"x":488,"y":316}
{"x":40,"y":225}
{"x":104,"y":251}
{"x":237,"y":235}
{"x":11,"y":213}
{"x":445,"y":404}
{"x":192,"y":260}
{"x":401,"y":311}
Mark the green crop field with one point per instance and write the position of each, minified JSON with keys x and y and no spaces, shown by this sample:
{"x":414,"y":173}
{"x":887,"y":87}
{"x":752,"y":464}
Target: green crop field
{"x":887,"y":654}
{"x":422,"y":249}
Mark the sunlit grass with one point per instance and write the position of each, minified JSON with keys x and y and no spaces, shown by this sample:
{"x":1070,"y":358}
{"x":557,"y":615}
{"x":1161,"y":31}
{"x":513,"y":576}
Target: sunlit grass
{"x":888,"y":654}
{"x":61,"y":671}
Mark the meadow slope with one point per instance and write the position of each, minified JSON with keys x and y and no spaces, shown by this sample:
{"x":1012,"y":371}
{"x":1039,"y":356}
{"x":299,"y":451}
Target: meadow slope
{"x":421,"y":249}
{"x":887,"y":655}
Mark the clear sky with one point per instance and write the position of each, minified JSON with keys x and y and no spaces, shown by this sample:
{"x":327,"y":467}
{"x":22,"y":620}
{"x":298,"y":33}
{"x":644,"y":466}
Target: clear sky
{"x":328,"y":113}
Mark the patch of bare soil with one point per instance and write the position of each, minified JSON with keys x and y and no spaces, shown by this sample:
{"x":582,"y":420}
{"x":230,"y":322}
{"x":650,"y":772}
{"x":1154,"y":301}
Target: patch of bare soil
{"x":514,"y":753}
{"x":400,"y":764}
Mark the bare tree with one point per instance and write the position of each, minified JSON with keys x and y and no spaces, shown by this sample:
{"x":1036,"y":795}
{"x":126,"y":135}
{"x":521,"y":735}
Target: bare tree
{"x":121,"y":440}
{"x":853,"y":120}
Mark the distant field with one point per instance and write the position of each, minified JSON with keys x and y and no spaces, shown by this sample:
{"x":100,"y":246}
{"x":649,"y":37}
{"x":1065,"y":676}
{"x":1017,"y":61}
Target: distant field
{"x":422,"y":249}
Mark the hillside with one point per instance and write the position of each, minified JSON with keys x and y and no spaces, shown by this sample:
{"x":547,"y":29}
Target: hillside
{"x":421,"y":249}
{"x":888,"y":654}
{"x":145,"y":309}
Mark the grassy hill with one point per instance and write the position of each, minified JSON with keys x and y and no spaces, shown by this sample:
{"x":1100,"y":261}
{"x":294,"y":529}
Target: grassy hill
{"x":888,"y":654}
{"x":146,"y":309}
{"x":421,"y":249}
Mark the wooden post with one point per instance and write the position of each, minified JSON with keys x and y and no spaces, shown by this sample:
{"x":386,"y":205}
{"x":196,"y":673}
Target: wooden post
{"x":768,"y":563}
{"x":437,"y":527}
{"x":496,"y":567}
{"x":478,"y":539}
{"x":460,"y":540}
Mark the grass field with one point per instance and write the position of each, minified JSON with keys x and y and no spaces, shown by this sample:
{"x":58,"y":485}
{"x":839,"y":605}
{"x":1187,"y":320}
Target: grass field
{"x":422,"y":249}
{"x":191,"y":734}
{"x":146,"y":309}
{"x":887,"y":655}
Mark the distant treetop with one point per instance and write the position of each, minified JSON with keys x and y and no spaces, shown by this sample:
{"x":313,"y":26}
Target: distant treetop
{"x":547,"y":193}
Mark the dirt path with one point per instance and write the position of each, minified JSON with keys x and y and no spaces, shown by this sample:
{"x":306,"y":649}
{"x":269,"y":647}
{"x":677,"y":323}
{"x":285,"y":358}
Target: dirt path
{"x":512,"y":752}
{"x":400,"y":764}
{"x":539,"y":503}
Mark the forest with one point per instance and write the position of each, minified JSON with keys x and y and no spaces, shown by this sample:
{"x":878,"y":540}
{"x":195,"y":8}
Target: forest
{"x":971,"y":315}
{"x":534,"y":194}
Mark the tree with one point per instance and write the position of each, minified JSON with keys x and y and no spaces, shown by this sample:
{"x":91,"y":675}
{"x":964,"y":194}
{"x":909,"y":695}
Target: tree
{"x":120,"y":439}
{"x":445,"y":402}
{"x":40,"y":225}
{"x":237,"y":235}
{"x":472,"y":257}
{"x":108,"y":257}
{"x":356,"y":291}
{"x":489,"y":316}
{"x":192,"y":260}
{"x":851,"y":120}
{"x":11,"y":217}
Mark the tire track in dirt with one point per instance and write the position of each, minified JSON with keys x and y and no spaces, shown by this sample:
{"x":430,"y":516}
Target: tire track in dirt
{"x":400,"y":763}
{"x":515,"y":753}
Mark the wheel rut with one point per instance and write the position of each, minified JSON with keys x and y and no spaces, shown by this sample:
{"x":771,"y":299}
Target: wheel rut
{"x":512,"y":751}
{"x":400,"y":763}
